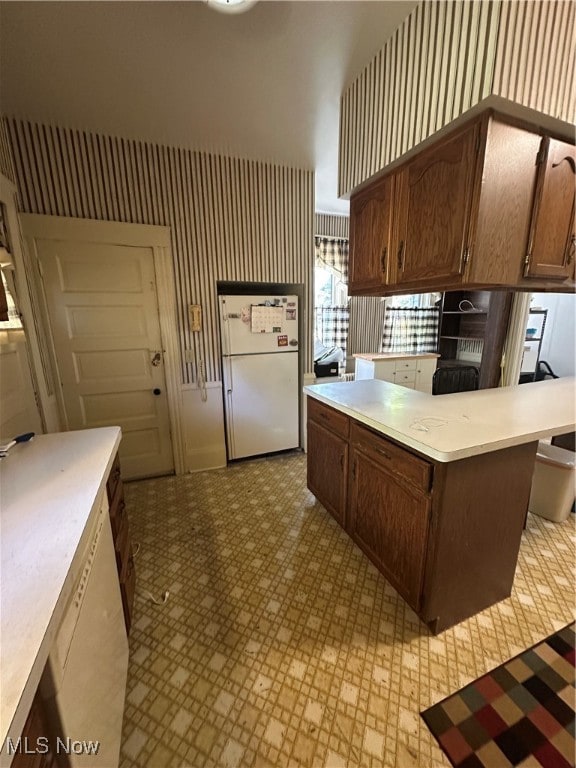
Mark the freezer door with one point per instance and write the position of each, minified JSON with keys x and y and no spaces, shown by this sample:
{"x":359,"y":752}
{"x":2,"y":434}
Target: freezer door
{"x":258,"y":324}
{"x":261,"y":398}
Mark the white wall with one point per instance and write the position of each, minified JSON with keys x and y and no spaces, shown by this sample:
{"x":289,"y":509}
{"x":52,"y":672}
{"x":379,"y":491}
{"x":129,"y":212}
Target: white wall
{"x":558,"y":345}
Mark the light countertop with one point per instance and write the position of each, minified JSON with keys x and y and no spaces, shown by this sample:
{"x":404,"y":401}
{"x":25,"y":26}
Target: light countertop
{"x":50,"y":492}
{"x":455,"y":426}
{"x":371,"y":356}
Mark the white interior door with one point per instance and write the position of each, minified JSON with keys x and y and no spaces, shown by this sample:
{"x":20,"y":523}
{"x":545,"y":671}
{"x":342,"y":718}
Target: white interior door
{"x":103,"y":310}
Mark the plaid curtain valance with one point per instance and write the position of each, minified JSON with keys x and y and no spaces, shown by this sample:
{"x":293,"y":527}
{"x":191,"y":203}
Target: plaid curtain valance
{"x":332,"y":252}
{"x":410,"y":330}
{"x":331,"y":326}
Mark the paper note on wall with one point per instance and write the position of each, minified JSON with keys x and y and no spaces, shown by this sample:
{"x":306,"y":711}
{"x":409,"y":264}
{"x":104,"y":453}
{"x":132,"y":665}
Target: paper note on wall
{"x":267,"y":319}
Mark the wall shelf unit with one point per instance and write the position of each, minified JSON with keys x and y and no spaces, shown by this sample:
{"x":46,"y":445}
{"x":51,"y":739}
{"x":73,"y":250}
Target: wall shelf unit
{"x":472,"y":331}
{"x":533,"y":344}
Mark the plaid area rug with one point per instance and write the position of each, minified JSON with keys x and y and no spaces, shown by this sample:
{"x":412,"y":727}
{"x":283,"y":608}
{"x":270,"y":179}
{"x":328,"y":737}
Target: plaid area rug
{"x":521,"y":713}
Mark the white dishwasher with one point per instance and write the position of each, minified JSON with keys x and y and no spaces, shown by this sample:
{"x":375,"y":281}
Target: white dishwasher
{"x":84,"y":681}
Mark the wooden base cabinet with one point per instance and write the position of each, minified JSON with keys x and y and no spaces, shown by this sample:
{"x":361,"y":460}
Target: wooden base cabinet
{"x":122,"y":541}
{"x":327,"y":477}
{"x":35,"y":749}
{"x":389,"y":510}
{"x":445,"y":535}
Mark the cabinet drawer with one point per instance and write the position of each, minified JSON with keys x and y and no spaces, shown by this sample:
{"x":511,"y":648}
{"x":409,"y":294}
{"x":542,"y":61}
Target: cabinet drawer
{"x":334,"y":420}
{"x":113,"y":479}
{"x":395,"y":459}
{"x":405,"y":377}
{"x":405,"y":365}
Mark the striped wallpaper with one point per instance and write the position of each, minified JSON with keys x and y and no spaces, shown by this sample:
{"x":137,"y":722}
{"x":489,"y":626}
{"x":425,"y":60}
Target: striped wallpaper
{"x":231,"y":219}
{"x":331,"y":225}
{"x":540,"y":74}
{"x":6,"y":168}
{"x":446,"y":58}
{"x":366,"y":324}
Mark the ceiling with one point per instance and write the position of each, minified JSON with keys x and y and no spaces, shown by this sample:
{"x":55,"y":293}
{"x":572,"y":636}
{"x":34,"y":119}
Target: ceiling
{"x":264,"y":84}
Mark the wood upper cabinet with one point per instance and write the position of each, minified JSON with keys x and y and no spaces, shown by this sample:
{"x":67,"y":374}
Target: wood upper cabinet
{"x":552,"y":240}
{"x":327,"y":474}
{"x":389,"y":510}
{"x":433,"y":210}
{"x":467,"y":210}
{"x":370,"y":235}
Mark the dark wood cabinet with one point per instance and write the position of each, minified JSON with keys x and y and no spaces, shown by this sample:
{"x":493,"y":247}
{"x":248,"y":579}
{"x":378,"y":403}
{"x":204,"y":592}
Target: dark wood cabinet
{"x":371,"y":235}
{"x":433,"y":211}
{"x":327,"y":476}
{"x":552,"y":241}
{"x":446,"y":535}
{"x":465,"y":211}
{"x":122,"y":541}
{"x":36,"y":749}
{"x":389,"y":511}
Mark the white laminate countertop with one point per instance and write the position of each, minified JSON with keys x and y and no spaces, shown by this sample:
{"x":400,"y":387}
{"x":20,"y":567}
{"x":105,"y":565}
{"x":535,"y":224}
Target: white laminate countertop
{"x":50,"y":489}
{"x":371,"y":356}
{"x":455,"y":426}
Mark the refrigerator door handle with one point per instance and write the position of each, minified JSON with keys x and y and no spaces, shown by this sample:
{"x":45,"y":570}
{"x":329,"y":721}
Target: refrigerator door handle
{"x":229,"y":420}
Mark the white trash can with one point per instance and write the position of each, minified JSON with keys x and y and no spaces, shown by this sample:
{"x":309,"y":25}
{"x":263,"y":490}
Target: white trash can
{"x":553,"y":482}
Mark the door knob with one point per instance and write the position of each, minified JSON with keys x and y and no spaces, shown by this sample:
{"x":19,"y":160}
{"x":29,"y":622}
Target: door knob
{"x":157,"y":391}
{"x":156,"y":359}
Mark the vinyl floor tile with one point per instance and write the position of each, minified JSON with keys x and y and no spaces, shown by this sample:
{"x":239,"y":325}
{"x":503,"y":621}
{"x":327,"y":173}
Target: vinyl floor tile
{"x":281,"y":644}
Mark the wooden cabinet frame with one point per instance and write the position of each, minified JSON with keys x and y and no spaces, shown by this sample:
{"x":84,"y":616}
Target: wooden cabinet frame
{"x":488,"y":205}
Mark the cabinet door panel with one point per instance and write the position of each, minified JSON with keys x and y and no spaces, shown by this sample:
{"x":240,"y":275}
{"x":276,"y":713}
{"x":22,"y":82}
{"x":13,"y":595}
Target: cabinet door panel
{"x":552,"y":242}
{"x":434,"y":212}
{"x":327,"y":469}
{"x":370,"y":229}
{"x":389,"y":521}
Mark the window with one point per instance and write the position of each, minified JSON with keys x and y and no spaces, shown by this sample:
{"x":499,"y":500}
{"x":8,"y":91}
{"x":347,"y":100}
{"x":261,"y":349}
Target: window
{"x":329,"y":288}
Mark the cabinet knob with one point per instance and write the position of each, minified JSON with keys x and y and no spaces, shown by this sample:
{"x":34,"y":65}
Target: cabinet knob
{"x":571,"y":250}
{"x":401,"y":256}
{"x":383,"y":259}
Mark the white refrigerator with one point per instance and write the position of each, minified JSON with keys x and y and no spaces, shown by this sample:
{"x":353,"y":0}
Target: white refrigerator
{"x":260,"y":373}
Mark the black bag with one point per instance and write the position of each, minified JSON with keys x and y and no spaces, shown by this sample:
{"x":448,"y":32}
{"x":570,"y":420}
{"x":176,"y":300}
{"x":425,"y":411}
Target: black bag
{"x":543,"y":371}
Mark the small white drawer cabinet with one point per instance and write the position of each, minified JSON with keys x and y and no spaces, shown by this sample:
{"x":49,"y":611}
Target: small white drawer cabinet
{"x":412,"y":371}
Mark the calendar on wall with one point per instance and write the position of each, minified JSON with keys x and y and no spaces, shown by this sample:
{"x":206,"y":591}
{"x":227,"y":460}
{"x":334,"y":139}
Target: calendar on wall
{"x":266,"y":319}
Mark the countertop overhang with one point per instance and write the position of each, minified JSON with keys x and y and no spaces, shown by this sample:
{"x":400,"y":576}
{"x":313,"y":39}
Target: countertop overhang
{"x":50,"y":492}
{"x":456,"y":426}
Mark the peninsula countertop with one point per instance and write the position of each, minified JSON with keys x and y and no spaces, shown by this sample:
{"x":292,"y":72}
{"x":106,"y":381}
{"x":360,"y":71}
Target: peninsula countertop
{"x":456,"y":426}
{"x":51,"y":489}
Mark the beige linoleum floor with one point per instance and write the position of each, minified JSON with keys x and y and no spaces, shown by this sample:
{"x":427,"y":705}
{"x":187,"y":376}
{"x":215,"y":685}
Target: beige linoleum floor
{"x":280,"y":644}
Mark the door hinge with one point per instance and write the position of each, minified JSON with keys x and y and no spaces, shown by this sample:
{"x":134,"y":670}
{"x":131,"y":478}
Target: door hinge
{"x":528,"y":259}
{"x":466,"y":256}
